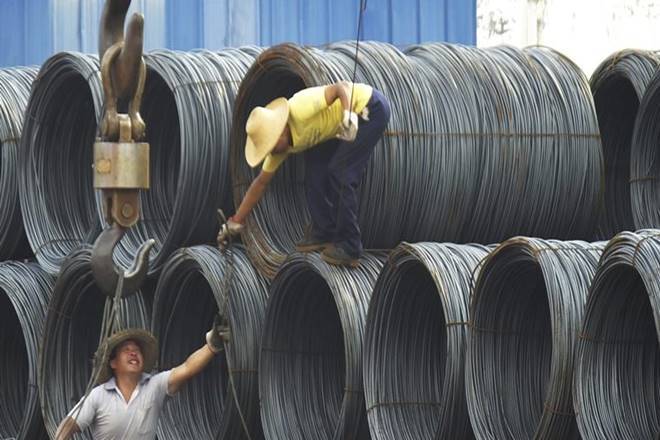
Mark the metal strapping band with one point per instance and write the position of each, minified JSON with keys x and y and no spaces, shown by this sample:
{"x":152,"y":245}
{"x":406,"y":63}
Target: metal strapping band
{"x":403,"y":403}
{"x":394,"y":133}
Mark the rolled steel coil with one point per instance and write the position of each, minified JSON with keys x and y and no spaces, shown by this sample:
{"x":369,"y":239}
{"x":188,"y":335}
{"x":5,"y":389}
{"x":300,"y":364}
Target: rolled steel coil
{"x":55,"y":158}
{"x":644,"y":160}
{"x":191,"y":289}
{"x":310,"y":370}
{"x":24,"y":293}
{"x":15,"y":84}
{"x":187,"y":106}
{"x":416,"y":336}
{"x":482,"y":145}
{"x":72,"y":335}
{"x":616,"y":391}
{"x":618,"y":86}
{"x":526,"y":312}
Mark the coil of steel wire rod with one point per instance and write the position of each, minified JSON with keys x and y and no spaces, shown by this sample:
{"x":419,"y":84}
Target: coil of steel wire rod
{"x":617,"y":369}
{"x":482,"y":145}
{"x":187,"y":107}
{"x":414,"y":347}
{"x":55,"y":157}
{"x":526,"y":311}
{"x":71,"y":336}
{"x":24,"y":293}
{"x":644,"y":160}
{"x":15,"y":84}
{"x":618,"y":86}
{"x":310,"y":369}
{"x":190,"y":291}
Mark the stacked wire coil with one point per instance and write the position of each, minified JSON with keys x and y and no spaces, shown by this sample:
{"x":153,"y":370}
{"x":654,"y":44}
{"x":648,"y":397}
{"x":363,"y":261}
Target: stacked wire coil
{"x":190,"y":291}
{"x":25,"y":290}
{"x":617,"y":373}
{"x":72,"y":334}
{"x":310,"y":370}
{"x":15,"y":84}
{"x":416,"y":336}
{"x":482,"y":145}
{"x":618,"y":86}
{"x":526,"y":313}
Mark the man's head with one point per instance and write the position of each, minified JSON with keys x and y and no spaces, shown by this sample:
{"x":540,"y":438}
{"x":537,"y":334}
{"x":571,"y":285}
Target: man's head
{"x":266,"y":129}
{"x":131,"y":351}
{"x":127,"y":358}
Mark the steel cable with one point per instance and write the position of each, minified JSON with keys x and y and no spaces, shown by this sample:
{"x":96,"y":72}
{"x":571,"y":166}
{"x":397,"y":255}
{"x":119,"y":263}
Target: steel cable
{"x":189,"y":294}
{"x":414,"y":348}
{"x":310,"y":370}
{"x":618,"y":86}
{"x":482,"y":145}
{"x":55,"y":157}
{"x":72,"y":335}
{"x":24,"y":293}
{"x":617,"y":374}
{"x":526,"y":311}
{"x":15,"y":84}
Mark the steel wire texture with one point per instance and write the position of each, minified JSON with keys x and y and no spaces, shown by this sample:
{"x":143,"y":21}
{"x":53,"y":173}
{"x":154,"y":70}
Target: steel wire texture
{"x":72,"y":335}
{"x":618,"y":86}
{"x":24,"y":293}
{"x":482,"y":145}
{"x":310,"y":370}
{"x":645,"y":161}
{"x":188,"y":295}
{"x":55,"y":157}
{"x":617,"y":372}
{"x":187,"y":106}
{"x":526,"y":311}
{"x":15,"y":84}
{"x":416,"y":336}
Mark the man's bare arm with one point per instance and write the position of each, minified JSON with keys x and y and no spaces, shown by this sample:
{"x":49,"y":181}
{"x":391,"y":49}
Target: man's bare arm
{"x":67,"y":428}
{"x":190,"y":368}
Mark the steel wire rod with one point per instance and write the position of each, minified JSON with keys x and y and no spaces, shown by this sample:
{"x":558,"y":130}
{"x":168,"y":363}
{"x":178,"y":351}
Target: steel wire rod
{"x":190,"y":292}
{"x":414,"y":347}
{"x":55,"y":157}
{"x":526,"y":311}
{"x":617,"y":371}
{"x":482,"y":145}
{"x":15,"y":84}
{"x":644,"y":160}
{"x":24,"y":293}
{"x":310,"y":369}
{"x":618,"y":86}
{"x":187,"y":108}
{"x":72,"y":334}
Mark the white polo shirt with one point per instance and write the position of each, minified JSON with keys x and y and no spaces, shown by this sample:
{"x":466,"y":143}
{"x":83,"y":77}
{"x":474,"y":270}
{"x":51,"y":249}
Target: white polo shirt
{"x":112,"y":418}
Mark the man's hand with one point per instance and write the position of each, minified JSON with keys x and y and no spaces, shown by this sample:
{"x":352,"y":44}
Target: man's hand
{"x":349,"y":127}
{"x":228,"y":230}
{"x":218,"y":335}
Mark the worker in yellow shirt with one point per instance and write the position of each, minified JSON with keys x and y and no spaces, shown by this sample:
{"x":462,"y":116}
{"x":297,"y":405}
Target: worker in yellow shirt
{"x":337,"y":138}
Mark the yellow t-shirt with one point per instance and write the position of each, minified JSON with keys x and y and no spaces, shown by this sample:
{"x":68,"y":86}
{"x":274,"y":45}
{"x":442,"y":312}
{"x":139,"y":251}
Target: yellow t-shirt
{"x":312,"y":121}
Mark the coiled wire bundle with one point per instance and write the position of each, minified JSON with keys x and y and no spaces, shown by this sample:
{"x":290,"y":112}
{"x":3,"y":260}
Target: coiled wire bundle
{"x":483,"y":144}
{"x":191,"y":289}
{"x":644,"y":160}
{"x":618,"y":86}
{"x":24,"y":293}
{"x":310,"y":370}
{"x":616,"y":391}
{"x":414,"y":348}
{"x":526,"y":313}
{"x":187,"y":108}
{"x":55,"y":158}
{"x":71,"y":335}
{"x":15,"y":84}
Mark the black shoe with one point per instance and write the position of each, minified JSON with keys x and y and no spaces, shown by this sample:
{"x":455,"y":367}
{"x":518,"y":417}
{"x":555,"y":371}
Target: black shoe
{"x":337,"y":256}
{"x":311,"y":243}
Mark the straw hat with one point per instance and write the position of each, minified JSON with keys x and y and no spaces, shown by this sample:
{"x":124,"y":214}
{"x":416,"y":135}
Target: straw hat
{"x":147,"y":342}
{"x":264,"y":127}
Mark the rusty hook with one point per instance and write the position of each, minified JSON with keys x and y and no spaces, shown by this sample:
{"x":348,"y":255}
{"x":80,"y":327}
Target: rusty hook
{"x":106,"y":272}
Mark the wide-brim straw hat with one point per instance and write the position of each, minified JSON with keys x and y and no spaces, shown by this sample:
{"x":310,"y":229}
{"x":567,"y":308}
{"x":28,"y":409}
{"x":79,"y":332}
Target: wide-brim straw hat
{"x":147,"y":342}
{"x":264,"y":127}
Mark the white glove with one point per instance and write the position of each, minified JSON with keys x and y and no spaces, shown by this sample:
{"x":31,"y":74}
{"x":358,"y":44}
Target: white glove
{"x":349,"y":127}
{"x":229,"y":229}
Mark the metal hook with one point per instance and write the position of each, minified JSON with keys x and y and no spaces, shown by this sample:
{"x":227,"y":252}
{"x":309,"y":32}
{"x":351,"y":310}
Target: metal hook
{"x":106,"y":272}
